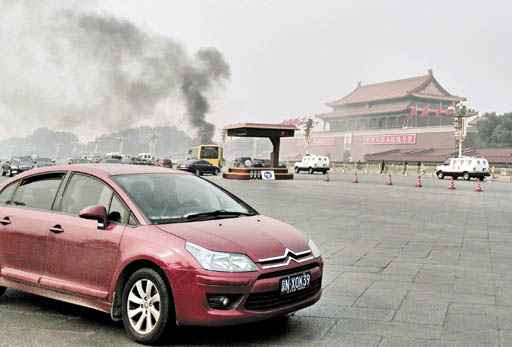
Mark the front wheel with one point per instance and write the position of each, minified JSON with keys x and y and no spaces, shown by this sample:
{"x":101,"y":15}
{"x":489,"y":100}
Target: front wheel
{"x":2,"y":290}
{"x":216,"y":172}
{"x":481,"y":178}
{"x":311,"y":171}
{"x":466,"y":176}
{"x":297,"y":170}
{"x":147,"y":308}
{"x":198,"y":172}
{"x":440,"y":175}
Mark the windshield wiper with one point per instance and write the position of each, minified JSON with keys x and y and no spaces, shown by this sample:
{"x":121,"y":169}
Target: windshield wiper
{"x":190,"y":217}
{"x":215,"y":214}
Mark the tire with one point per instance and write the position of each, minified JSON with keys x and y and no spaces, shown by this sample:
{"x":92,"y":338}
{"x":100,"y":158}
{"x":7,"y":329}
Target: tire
{"x":161,"y":313}
{"x":9,"y":173}
{"x":297,"y":170}
{"x":2,"y":290}
{"x":324,"y":172}
{"x":481,"y":178}
{"x":311,"y":171}
{"x":466,"y":176}
{"x":216,"y":172}
{"x":440,"y":175}
{"x":197,"y":172}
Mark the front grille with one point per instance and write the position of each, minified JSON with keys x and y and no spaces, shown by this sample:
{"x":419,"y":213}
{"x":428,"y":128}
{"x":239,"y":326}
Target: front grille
{"x":288,"y":271}
{"x":286,"y":258}
{"x":274,"y":299}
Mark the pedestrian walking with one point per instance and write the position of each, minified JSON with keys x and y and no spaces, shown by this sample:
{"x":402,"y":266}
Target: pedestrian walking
{"x":404,"y":172}
{"x":382,"y":167}
{"x":418,"y":168}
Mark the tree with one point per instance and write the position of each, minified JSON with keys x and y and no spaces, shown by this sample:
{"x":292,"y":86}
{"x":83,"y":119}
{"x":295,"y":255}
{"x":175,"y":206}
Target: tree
{"x":494,"y":130}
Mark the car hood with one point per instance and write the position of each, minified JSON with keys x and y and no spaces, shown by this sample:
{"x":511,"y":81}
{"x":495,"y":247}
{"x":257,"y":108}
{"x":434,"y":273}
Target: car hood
{"x":258,"y":236}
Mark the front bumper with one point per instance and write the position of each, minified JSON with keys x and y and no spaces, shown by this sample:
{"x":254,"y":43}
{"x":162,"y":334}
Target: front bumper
{"x":257,"y":294}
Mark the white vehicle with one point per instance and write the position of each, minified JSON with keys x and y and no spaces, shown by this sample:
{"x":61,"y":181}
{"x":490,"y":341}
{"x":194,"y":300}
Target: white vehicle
{"x":145,"y":156}
{"x":466,"y":167}
{"x":313,"y":163}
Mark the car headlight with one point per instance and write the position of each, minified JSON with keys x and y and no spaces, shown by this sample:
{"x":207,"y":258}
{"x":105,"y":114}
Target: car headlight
{"x":314,"y":249}
{"x":220,"y":261}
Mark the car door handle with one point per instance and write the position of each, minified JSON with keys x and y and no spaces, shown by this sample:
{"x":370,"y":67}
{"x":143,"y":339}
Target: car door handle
{"x":5,"y":221}
{"x":56,"y":229}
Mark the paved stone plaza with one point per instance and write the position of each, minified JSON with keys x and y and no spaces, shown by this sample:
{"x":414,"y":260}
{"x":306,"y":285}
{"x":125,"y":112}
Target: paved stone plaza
{"x":404,"y":267}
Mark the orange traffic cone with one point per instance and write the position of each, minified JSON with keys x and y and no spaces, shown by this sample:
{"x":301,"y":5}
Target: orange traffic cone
{"x":478,"y":187}
{"x":419,"y":184}
{"x":355,"y":179}
{"x":451,"y":185}
{"x":388,"y":180}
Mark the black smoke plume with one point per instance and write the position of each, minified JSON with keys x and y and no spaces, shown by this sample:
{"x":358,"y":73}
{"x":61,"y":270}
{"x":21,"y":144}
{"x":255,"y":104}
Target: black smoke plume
{"x":72,"y":68}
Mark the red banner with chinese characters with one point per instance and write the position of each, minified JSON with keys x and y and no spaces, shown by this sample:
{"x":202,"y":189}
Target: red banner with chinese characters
{"x":399,"y":139}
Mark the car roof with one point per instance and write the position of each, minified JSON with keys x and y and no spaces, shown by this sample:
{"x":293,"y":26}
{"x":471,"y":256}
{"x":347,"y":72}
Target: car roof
{"x":104,"y":169}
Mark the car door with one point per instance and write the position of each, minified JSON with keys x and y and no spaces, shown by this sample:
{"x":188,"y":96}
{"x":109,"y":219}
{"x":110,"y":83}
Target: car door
{"x":25,"y":218}
{"x":204,"y":166}
{"x":81,"y":255}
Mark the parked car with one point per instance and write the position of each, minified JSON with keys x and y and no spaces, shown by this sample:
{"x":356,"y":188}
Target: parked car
{"x":17,"y":165}
{"x":139,"y":161}
{"x":43,"y":162}
{"x":199,"y":167}
{"x":78,"y":161}
{"x":112,"y":160}
{"x":313,"y":163}
{"x":259,"y":163}
{"x":466,"y":167}
{"x":242,"y":162}
{"x":155,"y":248}
{"x":148,"y":157}
{"x":164,"y":162}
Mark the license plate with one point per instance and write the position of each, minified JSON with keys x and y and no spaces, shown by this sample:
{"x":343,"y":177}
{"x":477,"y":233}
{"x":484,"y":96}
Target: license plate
{"x":294,"y":283}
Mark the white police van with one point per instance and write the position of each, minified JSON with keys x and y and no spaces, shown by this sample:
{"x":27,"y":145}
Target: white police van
{"x":313,"y":163}
{"x":466,"y":167}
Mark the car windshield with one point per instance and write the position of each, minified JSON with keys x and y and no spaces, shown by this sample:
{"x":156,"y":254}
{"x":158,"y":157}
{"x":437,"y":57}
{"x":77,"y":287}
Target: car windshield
{"x":172,"y":198}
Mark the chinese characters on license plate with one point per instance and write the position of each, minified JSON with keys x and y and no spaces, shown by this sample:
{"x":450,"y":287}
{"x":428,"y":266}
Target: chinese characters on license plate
{"x":294,"y":283}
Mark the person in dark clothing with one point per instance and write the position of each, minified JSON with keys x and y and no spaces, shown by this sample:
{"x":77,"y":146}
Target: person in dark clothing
{"x":404,"y":172}
{"x":382,"y":167}
{"x":419,"y":167}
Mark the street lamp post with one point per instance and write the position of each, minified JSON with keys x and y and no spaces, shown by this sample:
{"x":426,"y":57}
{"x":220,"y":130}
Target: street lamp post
{"x":461,"y":113}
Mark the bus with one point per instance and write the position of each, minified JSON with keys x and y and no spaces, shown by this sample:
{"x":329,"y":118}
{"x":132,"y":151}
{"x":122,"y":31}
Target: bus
{"x":211,"y":153}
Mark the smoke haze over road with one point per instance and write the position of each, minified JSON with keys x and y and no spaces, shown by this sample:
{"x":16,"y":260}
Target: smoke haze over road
{"x":69,"y":67}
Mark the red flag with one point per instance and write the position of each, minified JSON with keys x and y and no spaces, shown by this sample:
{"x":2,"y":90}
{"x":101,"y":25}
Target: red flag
{"x":439,"y":110}
{"x":425,"y":111}
{"x":450,"y":111}
{"x":412,"y":111}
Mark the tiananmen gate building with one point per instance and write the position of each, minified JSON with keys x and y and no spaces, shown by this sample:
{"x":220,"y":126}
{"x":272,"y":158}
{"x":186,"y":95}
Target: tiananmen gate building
{"x":408,"y":115}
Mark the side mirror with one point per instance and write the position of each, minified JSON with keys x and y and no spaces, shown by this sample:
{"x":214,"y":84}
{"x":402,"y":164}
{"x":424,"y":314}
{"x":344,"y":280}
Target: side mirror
{"x":97,"y":213}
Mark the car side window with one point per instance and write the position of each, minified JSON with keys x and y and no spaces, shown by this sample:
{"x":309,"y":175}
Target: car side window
{"x":6,"y":194}
{"x":84,"y":191}
{"x":118,"y":212}
{"x":132,"y":220}
{"x":38,"y":191}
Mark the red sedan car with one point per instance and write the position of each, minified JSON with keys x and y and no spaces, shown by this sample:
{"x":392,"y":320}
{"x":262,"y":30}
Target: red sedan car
{"x":151,"y":246}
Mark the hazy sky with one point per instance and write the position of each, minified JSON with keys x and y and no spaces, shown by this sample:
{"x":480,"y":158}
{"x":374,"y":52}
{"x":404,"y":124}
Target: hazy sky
{"x":289,"y":57}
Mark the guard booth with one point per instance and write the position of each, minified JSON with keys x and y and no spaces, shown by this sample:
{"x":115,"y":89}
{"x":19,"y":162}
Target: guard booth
{"x":273,"y":132}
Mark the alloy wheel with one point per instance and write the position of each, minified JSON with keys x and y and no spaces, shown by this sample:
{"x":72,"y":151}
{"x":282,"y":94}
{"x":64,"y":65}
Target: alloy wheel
{"x":143,"y":306}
